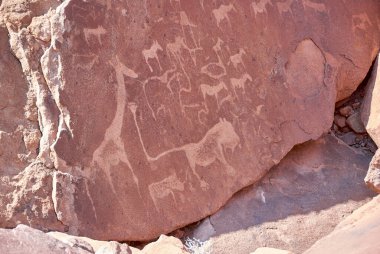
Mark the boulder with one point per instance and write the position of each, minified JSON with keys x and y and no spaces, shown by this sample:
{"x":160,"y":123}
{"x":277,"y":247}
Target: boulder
{"x":372,"y":178}
{"x":153,"y":114}
{"x":357,"y":234}
{"x":355,"y":123}
{"x":370,"y":109}
{"x":299,"y":201}
{"x":24,"y":239}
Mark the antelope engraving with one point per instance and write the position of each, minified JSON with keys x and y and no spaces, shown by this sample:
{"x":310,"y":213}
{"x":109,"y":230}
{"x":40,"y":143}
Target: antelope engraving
{"x":212,"y":90}
{"x":221,"y":13}
{"x":152,"y":53}
{"x":240,"y":82}
{"x":237,"y":58}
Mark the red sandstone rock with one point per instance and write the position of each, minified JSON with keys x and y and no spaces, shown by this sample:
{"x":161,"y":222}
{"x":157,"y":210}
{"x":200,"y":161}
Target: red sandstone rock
{"x":301,"y":200}
{"x":153,"y":114}
{"x":372,"y":178}
{"x":357,"y":234}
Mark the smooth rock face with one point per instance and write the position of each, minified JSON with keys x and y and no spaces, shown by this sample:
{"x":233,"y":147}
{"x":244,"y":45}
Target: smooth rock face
{"x":370,"y":109}
{"x":266,"y":250}
{"x":357,"y":234}
{"x":301,"y":200}
{"x":163,"y":110}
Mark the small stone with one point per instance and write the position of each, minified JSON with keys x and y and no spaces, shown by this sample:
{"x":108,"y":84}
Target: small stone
{"x":349,"y":138}
{"x":356,"y":105}
{"x":346,"y":129}
{"x":355,"y":123}
{"x":346,"y":111}
{"x":340,"y":121}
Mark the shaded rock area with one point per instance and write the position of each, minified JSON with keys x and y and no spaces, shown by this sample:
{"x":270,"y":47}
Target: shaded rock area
{"x":165,"y":109}
{"x":299,"y":201}
{"x":356,"y":234}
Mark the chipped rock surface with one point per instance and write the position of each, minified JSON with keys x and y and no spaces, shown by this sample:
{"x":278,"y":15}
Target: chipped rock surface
{"x":301,"y":200}
{"x":165,"y":109}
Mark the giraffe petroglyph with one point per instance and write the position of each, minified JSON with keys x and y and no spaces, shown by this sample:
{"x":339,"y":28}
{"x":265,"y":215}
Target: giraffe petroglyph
{"x":112,"y":151}
{"x":211,"y":147}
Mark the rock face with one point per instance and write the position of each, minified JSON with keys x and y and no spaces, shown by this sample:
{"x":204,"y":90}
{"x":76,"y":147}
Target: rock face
{"x":372,"y":178}
{"x":165,"y":109}
{"x":301,"y":200}
{"x":357,"y":234}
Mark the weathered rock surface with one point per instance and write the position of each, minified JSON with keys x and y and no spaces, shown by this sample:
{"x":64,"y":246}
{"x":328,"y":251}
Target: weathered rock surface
{"x":372,"y":178}
{"x":357,"y":234}
{"x":266,"y":250}
{"x":23,"y":239}
{"x":163,"y":110}
{"x":301,"y":200}
{"x":370,"y":109}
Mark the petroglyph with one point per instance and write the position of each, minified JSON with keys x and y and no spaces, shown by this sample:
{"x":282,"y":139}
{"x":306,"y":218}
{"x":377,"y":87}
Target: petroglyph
{"x":111,"y":151}
{"x":211,"y":147}
{"x":240,"y":82}
{"x":212,"y":90}
{"x":237,"y":58}
{"x":215,"y":65}
{"x":165,"y":188}
{"x":175,"y":50}
{"x":361,"y":21}
{"x":285,"y":6}
{"x":221,"y":13}
{"x":260,"y":6}
{"x":185,"y":21}
{"x":94,"y":32}
{"x":320,"y":7}
{"x":85,"y":62}
{"x":152,"y":53}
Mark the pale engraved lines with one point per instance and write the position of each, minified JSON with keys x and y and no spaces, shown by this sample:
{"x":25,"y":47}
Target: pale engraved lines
{"x":212,"y":90}
{"x":211,"y":147}
{"x":240,"y":82}
{"x":285,"y":6}
{"x":260,"y":6}
{"x":111,"y":151}
{"x":94,"y":32}
{"x":222,"y":12}
{"x":361,"y":21}
{"x":164,"y":188}
{"x":320,"y":7}
{"x":165,"y":79}
{"x":152,"y":53}
{"x":85,"y":62}
{"x":185,"y":21}
{"x":237,"y":59}
{"x":217,"y":48}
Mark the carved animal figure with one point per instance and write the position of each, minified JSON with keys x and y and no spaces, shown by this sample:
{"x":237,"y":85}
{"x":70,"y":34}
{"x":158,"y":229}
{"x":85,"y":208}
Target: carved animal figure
{"x":237,"y":58}
{"x":164,"y":188}
{"x":221,"y":13}
{"x":240,"y":82}
{"x":211,"y":147}
{"x":152,"y":53}
{"x":212,"y":90}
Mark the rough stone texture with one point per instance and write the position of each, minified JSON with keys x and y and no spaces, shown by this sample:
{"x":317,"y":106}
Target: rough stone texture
{"x":23,"y":239}
{"x":357,"y":234}
{"x":355,"y":123}
{"x":370,"y":109}
{"x":266,"y":250}
{"x":372,"y":178}
{"x":301,"y":200}
{"x":165,"y":109}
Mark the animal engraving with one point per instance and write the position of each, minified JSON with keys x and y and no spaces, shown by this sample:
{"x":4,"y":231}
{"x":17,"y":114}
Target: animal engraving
{"x":219,"y":139}
{"x":165,"y":188}
{"x":237,"y":58}
{"x":152,"y":53}
{"x":96,"y":32}
{"x":260,"y":7}
{"x":240,"y":82}
{"x":221,"y":13}
{"x":320,"y":7}
{"x":212,"y":90}
{"x":284,"y":7}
